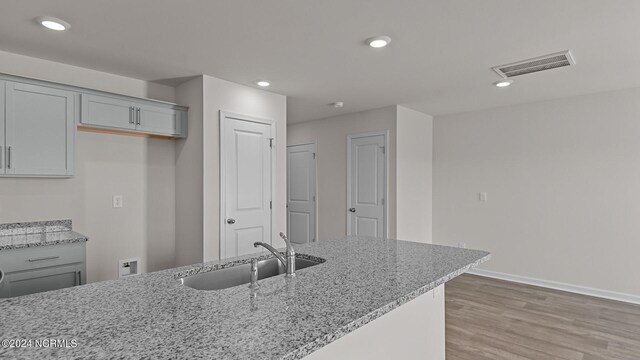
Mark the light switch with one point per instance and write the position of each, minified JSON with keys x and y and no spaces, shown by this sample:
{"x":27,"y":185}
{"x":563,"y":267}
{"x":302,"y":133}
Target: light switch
{"x":482,"y":196}
{"x":117,"y":201}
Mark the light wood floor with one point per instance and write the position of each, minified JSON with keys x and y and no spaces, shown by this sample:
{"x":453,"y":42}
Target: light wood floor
{"x":491,"y":319}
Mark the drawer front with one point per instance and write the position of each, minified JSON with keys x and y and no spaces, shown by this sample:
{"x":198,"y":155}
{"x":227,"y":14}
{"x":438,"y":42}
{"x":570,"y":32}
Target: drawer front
{"x":41,"y":256}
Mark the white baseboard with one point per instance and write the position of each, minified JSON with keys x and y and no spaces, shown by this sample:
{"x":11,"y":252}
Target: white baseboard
{"x":605,"y":294}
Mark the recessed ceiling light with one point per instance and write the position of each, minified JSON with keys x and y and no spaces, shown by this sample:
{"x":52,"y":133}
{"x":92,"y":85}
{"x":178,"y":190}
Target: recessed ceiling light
{"x":503,"y":83}
{"x":53,"y":23}
{"x":263,"y":83}
{"x":337,"y":104}
{"x":378,"y":41}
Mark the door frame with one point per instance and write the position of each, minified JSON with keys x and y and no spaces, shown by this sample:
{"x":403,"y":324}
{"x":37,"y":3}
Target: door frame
{"x":223,"y":186}
{"x":315,"y":165}
{"x":350,"y":137}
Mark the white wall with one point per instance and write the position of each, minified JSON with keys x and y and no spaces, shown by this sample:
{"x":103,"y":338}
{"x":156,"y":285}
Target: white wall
{"x":189,"y":177}
{"x":414,"y":175}
{"x":331,"y":137}
{"x":35,"y":68}
{"x":563,"y":184}
{"x":199,"y":156}
{"x":142,"y":170}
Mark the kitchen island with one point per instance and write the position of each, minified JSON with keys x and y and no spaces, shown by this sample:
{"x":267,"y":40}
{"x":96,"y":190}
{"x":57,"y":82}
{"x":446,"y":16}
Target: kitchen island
{"x":154,"y":316}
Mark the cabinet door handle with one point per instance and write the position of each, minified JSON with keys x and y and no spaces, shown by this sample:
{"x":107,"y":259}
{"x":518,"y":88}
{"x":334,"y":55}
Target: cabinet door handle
{"x":1,"y":158}
{"x":44,"y":258}
{"x":8,"y":157}
{"x":1,"y":276}
{"x":138,"y":116}
{"x":79,"y":282}
{"x":131,"y":115}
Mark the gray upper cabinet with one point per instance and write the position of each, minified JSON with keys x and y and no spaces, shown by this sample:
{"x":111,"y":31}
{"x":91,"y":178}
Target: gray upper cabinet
{"x":39,"y":130}
{"x":155,"y":119}
{"x":107,"y":112}
{"x":38,"y":123}
{"x":134,"y":116}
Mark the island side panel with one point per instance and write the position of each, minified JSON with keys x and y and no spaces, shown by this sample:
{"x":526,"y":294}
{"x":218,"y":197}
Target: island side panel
{"x":414,"y":330}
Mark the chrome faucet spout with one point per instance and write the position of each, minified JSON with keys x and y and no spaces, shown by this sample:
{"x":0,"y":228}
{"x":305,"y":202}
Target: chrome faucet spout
{"x":290,"y":261}
{"x":273,"y":250}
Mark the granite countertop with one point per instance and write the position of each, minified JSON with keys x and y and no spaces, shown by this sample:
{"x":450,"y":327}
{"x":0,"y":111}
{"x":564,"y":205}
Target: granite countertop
{"x":154,"y":316}
{"x":40,"y":233}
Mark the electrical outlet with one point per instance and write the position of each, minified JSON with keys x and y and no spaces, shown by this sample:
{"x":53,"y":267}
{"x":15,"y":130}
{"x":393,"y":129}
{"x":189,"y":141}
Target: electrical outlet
{"x":482,"y":196}
{"x":462,"y":245}
{"x":117,"y":201}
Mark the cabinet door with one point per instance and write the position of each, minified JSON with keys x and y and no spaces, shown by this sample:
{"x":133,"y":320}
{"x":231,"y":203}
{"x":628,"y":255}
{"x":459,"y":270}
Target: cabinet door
{"x":4,"y":290}
{"x":45,"y":279}
{"x":158,"y":120}
{"x":2,"y":143}
{"x":107,"y":112}
{"x":39,"y":130}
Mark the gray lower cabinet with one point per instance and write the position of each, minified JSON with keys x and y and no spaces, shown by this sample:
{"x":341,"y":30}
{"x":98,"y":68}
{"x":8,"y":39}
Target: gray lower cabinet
{"x":33,"y":270}
{"x":39,"y":131}
{"x":135,"y":116}
{"x":38,"y":280}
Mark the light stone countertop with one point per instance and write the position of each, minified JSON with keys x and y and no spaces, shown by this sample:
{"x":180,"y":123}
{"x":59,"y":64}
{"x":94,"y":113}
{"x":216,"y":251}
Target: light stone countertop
{"x":39,"y":233}
{"x":154,"y":316}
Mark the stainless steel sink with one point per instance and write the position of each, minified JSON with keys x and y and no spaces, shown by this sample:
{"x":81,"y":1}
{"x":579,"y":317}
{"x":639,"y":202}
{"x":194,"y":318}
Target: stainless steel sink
{"x":241,"y":274}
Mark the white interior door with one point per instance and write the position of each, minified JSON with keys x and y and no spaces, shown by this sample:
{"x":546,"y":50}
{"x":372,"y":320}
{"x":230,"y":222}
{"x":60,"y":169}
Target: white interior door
{"x":366,"y":215}
{"x":246,"y":177}
{"x":301,"y":193}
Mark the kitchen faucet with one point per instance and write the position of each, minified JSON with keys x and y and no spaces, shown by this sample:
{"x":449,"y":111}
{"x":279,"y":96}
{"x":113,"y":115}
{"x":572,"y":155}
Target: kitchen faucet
{"x":290,"y":261}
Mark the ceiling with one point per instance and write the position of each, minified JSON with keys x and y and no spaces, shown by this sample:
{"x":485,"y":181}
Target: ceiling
{"x":438,"y":62}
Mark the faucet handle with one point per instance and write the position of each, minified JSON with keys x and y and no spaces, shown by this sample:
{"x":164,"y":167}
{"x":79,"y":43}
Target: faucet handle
{"x":290,"y":251}
{"x":254,"y":273}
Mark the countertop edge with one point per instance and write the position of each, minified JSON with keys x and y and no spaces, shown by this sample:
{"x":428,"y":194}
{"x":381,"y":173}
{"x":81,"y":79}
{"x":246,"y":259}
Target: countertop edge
{"x":73,"y":240}
{"x":358,"y":323}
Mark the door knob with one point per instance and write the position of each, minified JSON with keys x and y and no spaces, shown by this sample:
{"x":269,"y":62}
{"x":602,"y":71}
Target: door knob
{"x":231,"y":221}
{"x":352,"y":209}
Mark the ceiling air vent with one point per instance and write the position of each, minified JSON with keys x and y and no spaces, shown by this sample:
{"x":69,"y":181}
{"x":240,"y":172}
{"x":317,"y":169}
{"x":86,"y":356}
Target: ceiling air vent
{"x":547,"y":62}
